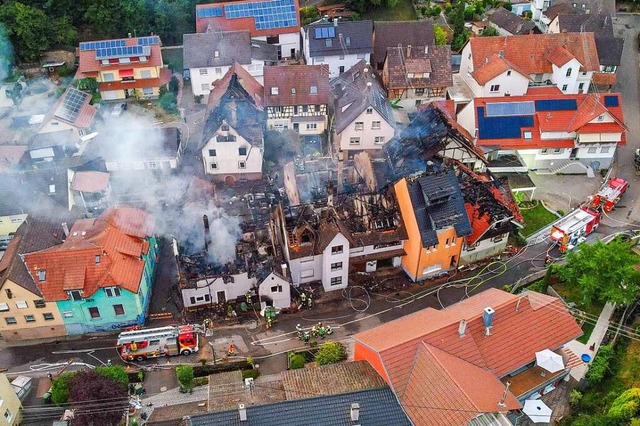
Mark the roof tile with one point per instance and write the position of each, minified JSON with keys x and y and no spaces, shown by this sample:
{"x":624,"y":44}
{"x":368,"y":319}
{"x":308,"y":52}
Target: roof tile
{"x":296,"y":85}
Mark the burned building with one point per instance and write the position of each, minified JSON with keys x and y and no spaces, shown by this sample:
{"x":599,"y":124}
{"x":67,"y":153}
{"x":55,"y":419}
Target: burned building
{"x":350,"y":232}
{"x":232,"y":254}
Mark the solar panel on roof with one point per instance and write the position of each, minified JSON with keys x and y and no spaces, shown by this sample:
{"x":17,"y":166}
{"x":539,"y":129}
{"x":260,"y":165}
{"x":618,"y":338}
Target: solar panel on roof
{"x":93,"y":45}
{"x":502,"y":127}
{"x":266,"y":14}
{"x":148,"y":41}
{"x":557,"y":105}
{"x":502,"y":109}
{"x":611,"y":101}
{"x":120,"y":52}
{"x":71,"y":105}
{"x":209,"y":12}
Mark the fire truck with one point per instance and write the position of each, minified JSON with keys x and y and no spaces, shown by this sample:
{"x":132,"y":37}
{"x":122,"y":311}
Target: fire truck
{"x":568,"y":231}
{"x":147,"y":343}
{"x":610,"y":194}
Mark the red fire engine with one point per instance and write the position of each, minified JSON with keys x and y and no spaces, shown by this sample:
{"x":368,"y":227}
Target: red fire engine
{"x":610,"y":194}
{"x":568,"y":231}
{"x":154,"y":342}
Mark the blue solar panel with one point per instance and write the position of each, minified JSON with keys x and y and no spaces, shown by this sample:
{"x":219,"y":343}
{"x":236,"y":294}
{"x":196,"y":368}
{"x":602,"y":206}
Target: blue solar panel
{"x":557,"y":105}
{"x":267,"y":14}
{"x":148,"y":41}
{"x":119,"y":52}
{"x":325,"y":32}
{"x":611,"y":101}
{"x":93,"y":45}
{"x":497,"y":109}
{"x":502,"y":127}
{"x":209,"y":12}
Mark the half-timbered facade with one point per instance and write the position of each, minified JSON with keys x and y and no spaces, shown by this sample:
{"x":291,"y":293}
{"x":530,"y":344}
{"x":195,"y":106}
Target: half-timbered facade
{"x":296,"y":97}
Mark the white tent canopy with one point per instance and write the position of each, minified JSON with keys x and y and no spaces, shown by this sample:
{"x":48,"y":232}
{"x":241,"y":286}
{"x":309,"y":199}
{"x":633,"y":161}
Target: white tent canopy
{"x":537,"y":411}
{"x":549,"y":360}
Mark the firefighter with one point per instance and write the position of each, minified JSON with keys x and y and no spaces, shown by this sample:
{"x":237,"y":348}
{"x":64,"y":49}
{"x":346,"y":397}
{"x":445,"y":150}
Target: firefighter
{"x":309,"y":302}
{"x":232,"y":350}
{"x":303,"y":299}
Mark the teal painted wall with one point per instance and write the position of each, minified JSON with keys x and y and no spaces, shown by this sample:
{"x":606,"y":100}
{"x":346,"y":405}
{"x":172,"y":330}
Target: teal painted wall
{"x":77,"y":319}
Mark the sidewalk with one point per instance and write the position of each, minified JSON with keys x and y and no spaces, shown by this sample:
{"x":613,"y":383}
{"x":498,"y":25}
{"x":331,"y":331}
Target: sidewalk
{"x":599,"y":331}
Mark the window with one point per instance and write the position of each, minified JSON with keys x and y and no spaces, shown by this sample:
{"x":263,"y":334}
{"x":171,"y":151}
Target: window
{"x":348,"y":41}
{"x":205,"y":87}
{"x":8,"y":415}
{"x":508,"y":73}
{"x":67,"y":314}
{"x":569,"y":72}
{"x":21,"y":304}
{"x":29,"y":318}
{"x":11,"y":320}
{"x":359,"y":125}
{"x":52,"y":189}
{"x":75,"y":295}
{"x":558,"y":151}
{"x":218,"y":71}
{"x":564,"y":87}
{"x":112,"y":291}
{"x":212,"y":153}
{"x":354,"y":141}
{"x":96,"y":259}
{"x":336,"y":266}
{"x":328,"y":42}
{"x":369,"y":110}
{"x":312,"y":126}
{"x":42,"y":275}
{"x":604,"y":150}
{"x":544,"y":151}
{"x":318,"y":59}
{"x":336,"y":280}
{"x":341,"y":69}
{"x":148,"y":91}
{"x":342,"y":57}
{"x":94,"y":312}
{"x":108,"y":76}
{"x":203,"y":71}
{"x":336,"y":249}
{"x":581,"y":86}
{"x":453,"y":241}
{"x":39,"y":303}
{"x":361,"y":56}
{"x":379,"y":140}
{"x":313,"y":90}
{"x":308,"y":273}
{"x":419,"y":91}
{"x":214,"y":166}
{"x":276,"y":289}
{"x":242,"y":151}
{"x":242,"y":164}
{"x":447,"y":242}
{"x":494,"y":88}
{"x":48,"y":316}
{"x":293,"y":90}
{"x":216,"y":54}
{"x":118,"y":309}
{"x":4,"y":307}
{"x":592,"y":150}
{"x":375,"y":125}
{"x":146,"y":73}
{"x":528,"y":135}
{"x":274,"y":90}
{"x":418,"y":103}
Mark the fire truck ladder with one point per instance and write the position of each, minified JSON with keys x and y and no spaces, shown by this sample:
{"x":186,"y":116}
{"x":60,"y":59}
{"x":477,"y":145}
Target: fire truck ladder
{"x":131,"y":336}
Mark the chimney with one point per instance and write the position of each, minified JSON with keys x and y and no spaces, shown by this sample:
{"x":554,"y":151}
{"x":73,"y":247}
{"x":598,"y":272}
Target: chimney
{"x":335,"y":22}
{"x":355,"y":412}
{"x":243,"y":412}
{"x":205,"y":220}
{"x":462,"y":328}
{"x":426,"y":50}
{"x":503,"y":400}
{"x":65,"y":229}
{"x":129,"y":35}
{"x":408,"y":51}
{"x":283,"y":266}
{"x":487,"y":319}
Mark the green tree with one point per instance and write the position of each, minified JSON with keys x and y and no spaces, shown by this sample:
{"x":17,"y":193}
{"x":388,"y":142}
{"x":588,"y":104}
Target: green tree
{"x":600,"y":365}
{"x":296,"y":361}
{"x":89,"y":85}
{"x":116,"y":373}
{"x":469,"y":12}
{"x":492,"y":32}
{"x":60,"y":388}
{"x":28,"y":28}
{"x":440,"y":36}
{"x":626,"y":405}
{"x":168,"y":103}
{"x":603,"y":272}
{"x":507,"y":6}
{"x":331,"y":353}
{"x":185,"y":376}
{"x":308,"y":14}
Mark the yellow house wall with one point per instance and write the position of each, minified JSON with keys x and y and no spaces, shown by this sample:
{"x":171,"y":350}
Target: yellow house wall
{"x":23,"y":330}
{"x":10,"y":224}
{"x":10,"y":401}
{"x":137,"y":73}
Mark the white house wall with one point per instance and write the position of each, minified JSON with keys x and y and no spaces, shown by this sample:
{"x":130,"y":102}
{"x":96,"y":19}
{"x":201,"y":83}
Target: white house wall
{"x":281,"y":297}
{"x":227,"y":159}
{"x":202,"y":84}
{"x":509,"y":82}
{"x":306,"y":269}
{"x":367,"y":135}
{"x":487,"y":248}
{"x":330,"y":258}
{"x":467,"y":118}
{"x":240,"y":286}
{"x":336,"y":61}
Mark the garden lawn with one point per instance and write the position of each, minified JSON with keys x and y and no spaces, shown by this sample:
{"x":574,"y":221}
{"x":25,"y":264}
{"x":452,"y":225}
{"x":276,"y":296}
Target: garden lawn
{"x":536,"y":218}
{"x":403,"y":11}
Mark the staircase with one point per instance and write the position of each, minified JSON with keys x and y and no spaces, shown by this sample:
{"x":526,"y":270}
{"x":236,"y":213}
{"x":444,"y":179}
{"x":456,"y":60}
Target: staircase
{"x":576,"y":166}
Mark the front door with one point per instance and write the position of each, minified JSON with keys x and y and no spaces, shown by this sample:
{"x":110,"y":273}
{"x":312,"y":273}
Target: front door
{"x":293,"y":53}
{"x":573,"y":154}
{"x":222,"y":298}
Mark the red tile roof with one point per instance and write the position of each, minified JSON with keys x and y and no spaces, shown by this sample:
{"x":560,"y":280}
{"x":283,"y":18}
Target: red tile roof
{"x":300,"y":79}
{"x":446,"y":390}
{"x":480,"y":222}
{"x":90,"y":181}
{"x":493,"y":67}
{"x":604,"y":78}
{"x":582,"y":120}
{"x":223,"y":24}
{"x":246,"y":80}
{"x":117,"y":237}
{"x":89,"y":66}
{"x":165,"y":77}
{"x":532,"y":53}
{"x":10,"y":156}
{"x":559,"y":56}
{"x":522,"y":325}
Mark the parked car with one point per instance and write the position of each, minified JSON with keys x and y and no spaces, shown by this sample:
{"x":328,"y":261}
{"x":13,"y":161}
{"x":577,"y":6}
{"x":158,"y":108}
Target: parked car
{"x":117,"y":109}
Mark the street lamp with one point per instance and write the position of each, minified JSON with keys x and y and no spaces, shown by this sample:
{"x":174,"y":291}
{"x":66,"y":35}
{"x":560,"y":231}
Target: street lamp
{"x":213,"y":351}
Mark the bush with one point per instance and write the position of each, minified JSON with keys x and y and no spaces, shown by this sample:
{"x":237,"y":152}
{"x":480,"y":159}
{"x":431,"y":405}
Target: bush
{"x":174,"y":85}
{"x":296,"y":361}
{"x":626,"y":405}
{"x":539,"y":286}
{"x":600,"y":366}
{"x":168,"y":102}
{"x":65,"y":70}
{"x":200,"y":381}
{"x":116,"y":373}
{"x":60,"y":388}
{"x":201,"y":371}
{"x":331,"y":353}
{"x":507,"y":6}
{"x":198,"y":99}
{"x":469,"y":12}
{"x":185,"y":376}
{"x":574,"y":398}
{"x":520,"y":240}
{"x":250,"y":374}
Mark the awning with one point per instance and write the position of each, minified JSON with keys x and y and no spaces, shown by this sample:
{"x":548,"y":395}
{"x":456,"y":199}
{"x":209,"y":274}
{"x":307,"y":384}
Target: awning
{"x":126,"y":73}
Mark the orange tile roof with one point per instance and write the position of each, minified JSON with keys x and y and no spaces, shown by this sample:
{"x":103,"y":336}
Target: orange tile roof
{"x":480,"y":222}
{"x":89,"y":66}
{"x":529,"y":52}
{"x":558,"y":56}
{"x":588,"y":110}
{"x":446,"y":390}
{"x":522,"y":325}
{"x":493,"y":67}
{"x":90,"y":181}
{"x":604,"y":78}
{"x":117,"y":237}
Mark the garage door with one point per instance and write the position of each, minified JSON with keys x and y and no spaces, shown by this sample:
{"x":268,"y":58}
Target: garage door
{"x":110,"y":95}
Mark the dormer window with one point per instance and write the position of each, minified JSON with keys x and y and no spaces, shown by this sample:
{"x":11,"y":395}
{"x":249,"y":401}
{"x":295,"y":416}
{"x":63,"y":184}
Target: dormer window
{"x":293,"y":90}
{"x":224,"y":127}
{"x":216,"y":54}
{"x":328,"y":42}
{"x":42,"y":275}
{"x":410,"y":75}
{"x":274,"y":90}
{"x":97,"y":259}
{"x":313,"y":90}
{"x":348,"y":41}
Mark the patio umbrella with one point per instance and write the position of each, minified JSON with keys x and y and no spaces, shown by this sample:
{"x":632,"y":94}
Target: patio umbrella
{"x":537,"y":411}
{"x":549,"y":360}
